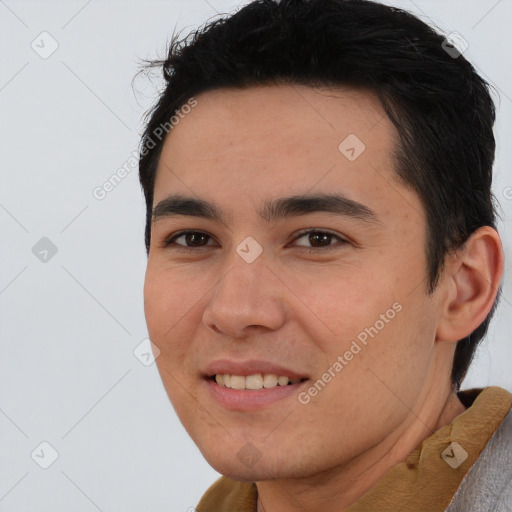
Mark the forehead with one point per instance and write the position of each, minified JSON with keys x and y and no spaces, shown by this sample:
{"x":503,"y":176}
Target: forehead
{"x":280,"y":116}
{"x":280,"y":140}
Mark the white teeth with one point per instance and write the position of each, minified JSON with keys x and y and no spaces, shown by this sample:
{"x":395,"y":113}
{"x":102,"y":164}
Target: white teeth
{"x":270,"y":380}
{"x":283,"y":381}
{"x":237,"y":382}
{"x":256,"y":381}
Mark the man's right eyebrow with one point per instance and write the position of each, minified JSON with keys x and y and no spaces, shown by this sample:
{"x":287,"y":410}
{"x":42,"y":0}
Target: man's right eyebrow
{"x":178,"y":204}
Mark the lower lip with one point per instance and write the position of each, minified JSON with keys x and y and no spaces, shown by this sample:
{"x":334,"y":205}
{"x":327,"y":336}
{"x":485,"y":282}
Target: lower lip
{"x":251,"y":399}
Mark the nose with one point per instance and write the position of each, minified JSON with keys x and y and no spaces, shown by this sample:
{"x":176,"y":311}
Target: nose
{"x":249,"y":295}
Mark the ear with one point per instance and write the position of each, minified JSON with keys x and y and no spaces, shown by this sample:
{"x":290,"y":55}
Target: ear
{"x":470,"y":282}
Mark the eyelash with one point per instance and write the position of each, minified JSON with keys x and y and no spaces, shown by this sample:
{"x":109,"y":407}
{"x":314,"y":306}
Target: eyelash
{"x":171,"y":240}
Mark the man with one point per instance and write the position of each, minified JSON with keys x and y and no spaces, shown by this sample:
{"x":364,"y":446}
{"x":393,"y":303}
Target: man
{"x":323,"y":261}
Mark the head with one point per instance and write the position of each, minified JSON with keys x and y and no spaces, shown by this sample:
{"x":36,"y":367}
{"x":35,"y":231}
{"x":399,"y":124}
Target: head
{"x":349,"y":117}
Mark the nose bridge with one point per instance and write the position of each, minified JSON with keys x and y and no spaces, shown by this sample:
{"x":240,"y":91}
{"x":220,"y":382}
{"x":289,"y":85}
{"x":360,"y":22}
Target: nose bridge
{"x":244,"y":296}
{"x":244,"y":281}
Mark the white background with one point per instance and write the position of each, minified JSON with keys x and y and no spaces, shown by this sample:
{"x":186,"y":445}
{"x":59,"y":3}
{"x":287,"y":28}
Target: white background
{"x":69,"y":326}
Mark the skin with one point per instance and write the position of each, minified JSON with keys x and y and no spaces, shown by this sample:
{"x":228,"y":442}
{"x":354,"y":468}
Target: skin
{"x":303,"y":309}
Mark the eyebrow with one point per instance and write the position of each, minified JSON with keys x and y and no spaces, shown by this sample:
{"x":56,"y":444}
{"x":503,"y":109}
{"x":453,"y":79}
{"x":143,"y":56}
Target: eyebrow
{"x":271,"y":211}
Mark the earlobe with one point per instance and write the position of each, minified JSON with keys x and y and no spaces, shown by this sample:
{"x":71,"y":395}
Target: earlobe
{"x":474,"y":274}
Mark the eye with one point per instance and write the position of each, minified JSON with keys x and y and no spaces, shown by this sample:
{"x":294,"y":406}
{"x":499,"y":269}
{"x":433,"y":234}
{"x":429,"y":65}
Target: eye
{"x":320,"y":239}
{"x":192,"y":239}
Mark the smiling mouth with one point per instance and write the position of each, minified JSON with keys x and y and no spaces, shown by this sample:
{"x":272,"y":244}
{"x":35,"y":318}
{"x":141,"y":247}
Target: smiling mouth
{"x":254,"y":382}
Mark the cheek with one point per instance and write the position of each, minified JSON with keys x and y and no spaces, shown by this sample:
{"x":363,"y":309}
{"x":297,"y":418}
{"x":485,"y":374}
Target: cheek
{"x":168,"y":296}
{"x":167,"y":317}
{"x":347,"y":304}
{"x":167,"y":313}
{"x":390,"y":369}
{"x":157,"y":300}
{"x":380,"y":378}
{"x":375,"y":322}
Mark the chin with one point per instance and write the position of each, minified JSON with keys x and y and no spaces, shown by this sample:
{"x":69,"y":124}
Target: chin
{"x":256,"y":474}
{"x":239,"y":466}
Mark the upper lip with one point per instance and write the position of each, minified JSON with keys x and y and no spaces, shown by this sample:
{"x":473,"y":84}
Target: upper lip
{"x":250,"y":367}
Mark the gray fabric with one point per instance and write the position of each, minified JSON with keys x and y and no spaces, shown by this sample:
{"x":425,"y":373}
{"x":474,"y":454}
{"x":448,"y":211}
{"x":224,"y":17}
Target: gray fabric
{"x":488,"y":485}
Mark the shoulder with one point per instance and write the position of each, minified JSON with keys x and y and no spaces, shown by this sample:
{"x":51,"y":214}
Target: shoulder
{"x":488,"y":484}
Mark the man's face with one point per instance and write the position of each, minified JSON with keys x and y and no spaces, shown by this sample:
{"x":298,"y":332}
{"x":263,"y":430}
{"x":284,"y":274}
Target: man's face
{"x":351,"y":292}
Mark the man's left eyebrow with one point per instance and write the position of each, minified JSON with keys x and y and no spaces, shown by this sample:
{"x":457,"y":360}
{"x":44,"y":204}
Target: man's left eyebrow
{"x":295,"y":206}
{"x":271,"y":211}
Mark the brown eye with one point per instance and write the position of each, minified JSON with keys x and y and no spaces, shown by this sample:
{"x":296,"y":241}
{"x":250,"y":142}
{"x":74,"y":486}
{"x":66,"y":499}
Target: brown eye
{"x":191,"y":239}
{"x":319,"y":239}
